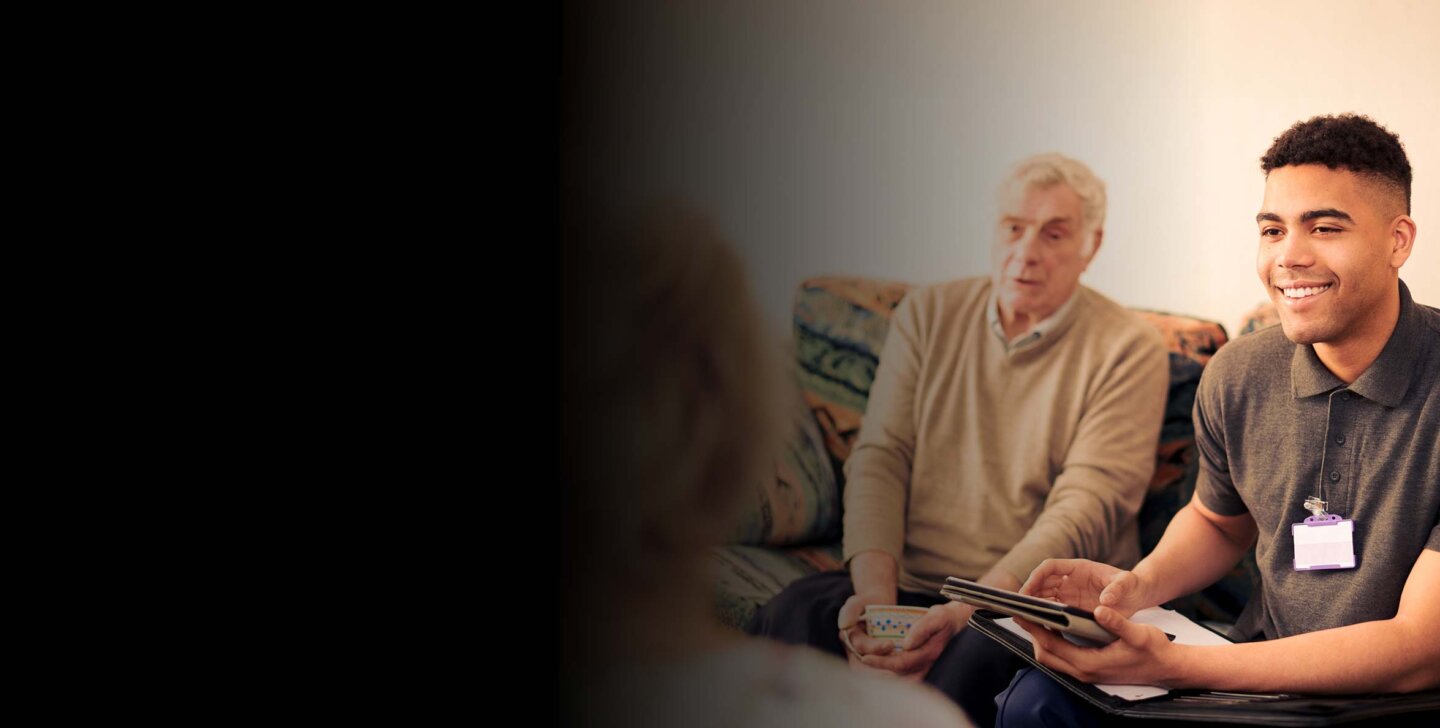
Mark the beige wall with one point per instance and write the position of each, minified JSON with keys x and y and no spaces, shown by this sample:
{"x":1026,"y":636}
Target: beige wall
{"x":865,"y":138}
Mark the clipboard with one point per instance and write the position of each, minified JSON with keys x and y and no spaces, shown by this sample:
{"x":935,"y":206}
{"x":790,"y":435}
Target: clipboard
{"x":1218,"y":707}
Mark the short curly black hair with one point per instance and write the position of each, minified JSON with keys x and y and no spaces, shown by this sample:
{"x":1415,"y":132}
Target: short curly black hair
{"x":1351,"y":141}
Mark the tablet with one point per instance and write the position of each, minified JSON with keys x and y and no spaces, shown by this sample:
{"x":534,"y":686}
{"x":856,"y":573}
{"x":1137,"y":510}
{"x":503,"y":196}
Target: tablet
{"x":1054,"y":615}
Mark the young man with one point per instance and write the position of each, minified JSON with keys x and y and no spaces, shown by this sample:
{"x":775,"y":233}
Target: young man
{"x":1337,"y":411}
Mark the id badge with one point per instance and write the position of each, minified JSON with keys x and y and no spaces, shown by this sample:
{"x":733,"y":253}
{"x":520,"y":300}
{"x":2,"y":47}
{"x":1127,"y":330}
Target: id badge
{"x":1324,"y":542}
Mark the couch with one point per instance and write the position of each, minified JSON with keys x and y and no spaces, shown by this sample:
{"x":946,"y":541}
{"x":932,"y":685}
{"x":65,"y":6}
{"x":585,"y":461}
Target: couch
{"x":791,"y":527}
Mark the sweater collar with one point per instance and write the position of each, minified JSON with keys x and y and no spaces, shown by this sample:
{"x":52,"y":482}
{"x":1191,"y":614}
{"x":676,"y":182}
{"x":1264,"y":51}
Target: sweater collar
{"x":1050,"y":327}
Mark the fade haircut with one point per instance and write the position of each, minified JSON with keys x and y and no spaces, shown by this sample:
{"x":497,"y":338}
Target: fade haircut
{"x":1348,"y":141}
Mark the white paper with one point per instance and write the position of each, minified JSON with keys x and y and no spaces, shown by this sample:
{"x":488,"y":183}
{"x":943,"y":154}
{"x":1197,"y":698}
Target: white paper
{"x":1186,"y":633}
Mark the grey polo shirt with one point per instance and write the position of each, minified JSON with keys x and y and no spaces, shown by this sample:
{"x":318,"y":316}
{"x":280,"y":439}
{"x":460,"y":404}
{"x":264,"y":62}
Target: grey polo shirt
{"x":1274,"y":426}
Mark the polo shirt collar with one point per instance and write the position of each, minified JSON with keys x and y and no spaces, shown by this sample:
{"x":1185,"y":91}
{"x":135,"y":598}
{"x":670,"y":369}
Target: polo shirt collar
{"x":1388,"y":377}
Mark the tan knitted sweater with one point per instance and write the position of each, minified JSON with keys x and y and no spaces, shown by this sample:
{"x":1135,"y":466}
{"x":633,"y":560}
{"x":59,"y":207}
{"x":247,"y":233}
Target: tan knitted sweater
{"x":970,"y":455}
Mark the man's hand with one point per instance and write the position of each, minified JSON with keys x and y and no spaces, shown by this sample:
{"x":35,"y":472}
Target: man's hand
{"x":875,"y":575}
{"x":923,"y":645}
{"x":1088,"y":585}
{"x":852,"y":630}
{"x":1142,"y":655}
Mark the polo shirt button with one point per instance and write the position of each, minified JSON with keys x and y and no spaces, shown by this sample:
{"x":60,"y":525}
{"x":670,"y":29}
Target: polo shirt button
{"x":1347,"y":396}
{"x":1334,"y":475}
{"x":1339,"y":439}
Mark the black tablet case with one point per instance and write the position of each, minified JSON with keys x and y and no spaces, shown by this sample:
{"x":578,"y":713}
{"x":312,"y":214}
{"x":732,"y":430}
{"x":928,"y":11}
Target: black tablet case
{"x":1205,"y":706}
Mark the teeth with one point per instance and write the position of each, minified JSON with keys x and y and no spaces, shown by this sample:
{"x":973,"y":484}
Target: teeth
{"x":1303,"y":292}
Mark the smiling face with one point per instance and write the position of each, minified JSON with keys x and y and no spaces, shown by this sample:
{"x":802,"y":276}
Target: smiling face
{"x":1331,"y":247}
{"x":1040,"y":251}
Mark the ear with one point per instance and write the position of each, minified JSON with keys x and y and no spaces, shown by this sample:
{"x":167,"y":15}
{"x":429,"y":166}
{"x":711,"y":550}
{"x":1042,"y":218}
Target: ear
{"x":1095,"y":246}
{"x":1402,"y":240}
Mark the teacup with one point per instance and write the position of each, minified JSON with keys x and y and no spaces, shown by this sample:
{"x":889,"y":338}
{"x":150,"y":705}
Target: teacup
{"x":891,"y":621}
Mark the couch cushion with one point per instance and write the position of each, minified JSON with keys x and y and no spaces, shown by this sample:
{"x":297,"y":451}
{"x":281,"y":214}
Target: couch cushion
{"x":840,"y":327}
{"x":748,"y":576}
{"x":1191,"y":342}
{"x":1262,"y":316}
{"x":801,"y":503}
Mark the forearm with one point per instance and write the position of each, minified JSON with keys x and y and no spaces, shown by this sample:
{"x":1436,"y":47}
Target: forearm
{"x":875,"y":496}
{"x":1078,"y":523}
{"x":1094,"y":499}
{"x":1399,"y":654}
{"x":878,"y":470}
{"x":1386,"y":656}
{"x":1000,"y":578}
{"x":1193,"y":554}
{"x":875,"y":573}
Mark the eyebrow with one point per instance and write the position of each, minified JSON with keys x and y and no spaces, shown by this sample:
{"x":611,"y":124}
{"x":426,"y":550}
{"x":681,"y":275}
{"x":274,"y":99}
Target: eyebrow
{"x":1327,"y":212}
{"x":1065,"y":219}
{"x":1308,"y":215}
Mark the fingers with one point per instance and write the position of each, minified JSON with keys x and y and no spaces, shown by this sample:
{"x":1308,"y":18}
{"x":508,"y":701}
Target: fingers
{"x":1056,"y":662}
{"x":1125,"y":660}
{"x":1035,"y":630}
{"x":922,"y":632}
{"x":1043,"y":586}
{"x":1043,"y":639}
{"x":1051,"y":642}
{"x":850,"y":612}
{"x":1119,"y":590}
{"x":849,"y":645}
{"x":939,"y":620}
{"x":867,"y":645}
{"x":1131,"y":633}
{"x":858,"y":644}
{"x":1051,"y":650}
{"x":909,"y":663}
{"x":1047,"y":576}
{"x":1035,"y":580}
{"x":900,"y":663}
{"x":858,"y":665}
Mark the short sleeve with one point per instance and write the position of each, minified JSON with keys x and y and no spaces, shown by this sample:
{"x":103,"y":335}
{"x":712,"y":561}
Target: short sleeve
{"x":1213,"y":485}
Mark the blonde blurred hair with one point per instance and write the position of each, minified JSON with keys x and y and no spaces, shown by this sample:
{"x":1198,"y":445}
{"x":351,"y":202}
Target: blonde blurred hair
{"x":668,"y":388}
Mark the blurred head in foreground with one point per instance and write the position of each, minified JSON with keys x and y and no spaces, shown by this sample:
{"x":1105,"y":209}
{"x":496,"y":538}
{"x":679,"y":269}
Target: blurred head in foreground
{"x":669,"y":393}
{"x":668,"y":384}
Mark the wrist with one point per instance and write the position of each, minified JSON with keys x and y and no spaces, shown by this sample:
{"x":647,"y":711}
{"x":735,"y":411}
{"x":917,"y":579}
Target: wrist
{"x":876,"y":593}
{"x":1146,"y":593}
{"x":959,"y":613}
{"x":1178,"y":668}
{"x":875,"y":576}
{"x":1001,"y":579}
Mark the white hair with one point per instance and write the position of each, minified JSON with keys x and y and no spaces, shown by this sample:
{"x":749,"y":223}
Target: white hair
{"x":1044,"y":170}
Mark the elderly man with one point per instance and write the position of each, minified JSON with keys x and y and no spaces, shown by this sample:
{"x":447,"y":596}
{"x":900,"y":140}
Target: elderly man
{"x":1012,"y":418}
{"x":1334,"y":413}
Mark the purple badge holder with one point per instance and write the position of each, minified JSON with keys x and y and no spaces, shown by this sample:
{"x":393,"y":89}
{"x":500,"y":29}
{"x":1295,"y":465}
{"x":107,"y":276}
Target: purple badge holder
{"x":1325,"y":549}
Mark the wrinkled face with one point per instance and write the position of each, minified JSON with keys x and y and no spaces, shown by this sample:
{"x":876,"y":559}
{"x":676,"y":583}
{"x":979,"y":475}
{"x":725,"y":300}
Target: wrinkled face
{"x":1327,"y":252}
{"x":1040,"y":250}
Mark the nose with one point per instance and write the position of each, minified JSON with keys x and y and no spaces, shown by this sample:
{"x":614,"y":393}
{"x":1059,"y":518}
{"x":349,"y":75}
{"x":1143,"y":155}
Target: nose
{"x":1294,"y":252}
{"x":1027,"y":248}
